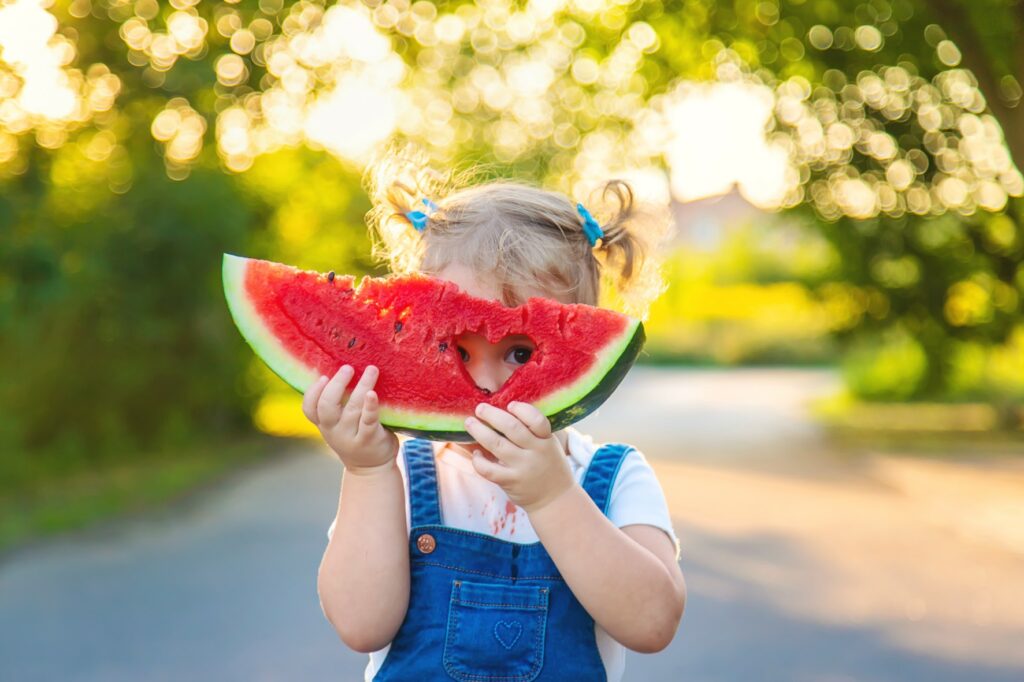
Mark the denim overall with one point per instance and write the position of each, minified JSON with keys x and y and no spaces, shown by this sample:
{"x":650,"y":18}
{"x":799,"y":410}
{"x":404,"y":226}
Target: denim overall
{"x":483,"y":609}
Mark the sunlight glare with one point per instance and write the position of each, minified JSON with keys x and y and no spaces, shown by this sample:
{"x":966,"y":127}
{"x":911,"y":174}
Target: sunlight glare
{"x":717,"y":140}
{"x":354,"y":117}
{"x":27,"y":43}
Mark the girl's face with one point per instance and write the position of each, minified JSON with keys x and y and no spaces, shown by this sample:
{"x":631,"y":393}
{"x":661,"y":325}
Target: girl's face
{"x":490,"y":365}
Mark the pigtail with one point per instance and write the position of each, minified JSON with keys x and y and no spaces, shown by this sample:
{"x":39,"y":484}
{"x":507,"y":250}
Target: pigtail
{"x":631,"y":250}
{"x":396,"y":180}
{"x":618,"y":244}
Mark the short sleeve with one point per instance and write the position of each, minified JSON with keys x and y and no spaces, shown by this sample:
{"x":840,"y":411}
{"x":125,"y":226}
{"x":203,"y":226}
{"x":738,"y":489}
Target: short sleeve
{"x":405,"y":486}
{"x":637,"y":497}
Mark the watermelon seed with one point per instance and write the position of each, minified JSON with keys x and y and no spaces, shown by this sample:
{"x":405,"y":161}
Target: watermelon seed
{"x":442,"y":346}
{"x":330,"y":276}
{"x":486,"y":391}
{"x":398,"y":327}
{"x":352,"y":342}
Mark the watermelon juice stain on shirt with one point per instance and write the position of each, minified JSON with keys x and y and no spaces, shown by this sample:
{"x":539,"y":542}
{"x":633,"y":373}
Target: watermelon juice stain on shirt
{"x":502,"y":519}
{"x":511,"y":512}
{"x":471,"y":502}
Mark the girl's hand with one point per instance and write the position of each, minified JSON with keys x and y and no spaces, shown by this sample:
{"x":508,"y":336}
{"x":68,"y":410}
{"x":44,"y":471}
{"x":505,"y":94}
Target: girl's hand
{"x":352,"y":428}
{"x":530,"y":466}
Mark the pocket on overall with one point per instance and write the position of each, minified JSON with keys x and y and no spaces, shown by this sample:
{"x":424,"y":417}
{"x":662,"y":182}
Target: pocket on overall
{"x":495,"y":632}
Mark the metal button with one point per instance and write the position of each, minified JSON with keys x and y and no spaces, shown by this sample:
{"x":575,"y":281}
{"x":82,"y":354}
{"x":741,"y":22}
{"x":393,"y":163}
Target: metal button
{"x":426,"y":543}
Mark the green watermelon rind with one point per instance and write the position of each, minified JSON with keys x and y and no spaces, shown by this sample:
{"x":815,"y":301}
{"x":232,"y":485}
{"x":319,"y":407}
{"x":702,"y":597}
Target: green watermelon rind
{"x":606,"y":360}
{"x":260,"y":339}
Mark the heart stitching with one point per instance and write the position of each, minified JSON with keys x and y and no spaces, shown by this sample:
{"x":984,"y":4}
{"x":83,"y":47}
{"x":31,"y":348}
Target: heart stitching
{"x":508,"y":632}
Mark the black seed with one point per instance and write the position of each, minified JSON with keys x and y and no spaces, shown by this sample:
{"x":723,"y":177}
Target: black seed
{"x":398,"y":327}
{"x":330,"y":276}
{"x":486,"y":391}
{"x":352,"y":342}
{"x":442,"y":346}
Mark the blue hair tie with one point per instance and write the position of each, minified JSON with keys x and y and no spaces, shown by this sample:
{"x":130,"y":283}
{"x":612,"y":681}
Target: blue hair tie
{"x":591,"y":228}
{"x":419,"y":218}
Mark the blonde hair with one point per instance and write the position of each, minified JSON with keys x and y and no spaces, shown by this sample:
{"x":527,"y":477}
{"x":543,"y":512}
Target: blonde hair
{"x":525,"y":237}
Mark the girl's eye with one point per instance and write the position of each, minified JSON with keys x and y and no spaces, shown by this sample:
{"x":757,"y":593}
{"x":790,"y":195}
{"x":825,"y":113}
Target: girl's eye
{"x":519,"y":355}
{"x":463,"y":354}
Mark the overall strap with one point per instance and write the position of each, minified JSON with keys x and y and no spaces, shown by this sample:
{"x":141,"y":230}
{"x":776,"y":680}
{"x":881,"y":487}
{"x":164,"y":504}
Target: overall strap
{"x":424,"y":507}
{"x":601,"y":473}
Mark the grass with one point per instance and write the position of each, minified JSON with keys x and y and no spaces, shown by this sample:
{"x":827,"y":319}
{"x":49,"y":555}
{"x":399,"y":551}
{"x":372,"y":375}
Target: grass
{"x":63,"y":504}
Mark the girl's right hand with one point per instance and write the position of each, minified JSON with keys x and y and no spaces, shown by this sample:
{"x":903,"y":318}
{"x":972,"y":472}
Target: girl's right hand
{"x":352,"y":428}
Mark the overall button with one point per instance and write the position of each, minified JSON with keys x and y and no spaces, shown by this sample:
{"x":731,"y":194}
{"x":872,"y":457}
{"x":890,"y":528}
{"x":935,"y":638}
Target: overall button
{"x":426,"y":543}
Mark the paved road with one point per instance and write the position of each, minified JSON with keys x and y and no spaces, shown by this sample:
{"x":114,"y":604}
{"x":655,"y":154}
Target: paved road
{"x":803,"y":562}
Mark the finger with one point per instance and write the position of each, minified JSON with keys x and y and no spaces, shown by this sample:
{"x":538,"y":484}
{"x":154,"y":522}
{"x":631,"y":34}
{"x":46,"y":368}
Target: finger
{"x":354,"y":408}
{"x":328,"y":409}
{"x":500,"y":447}
{"x":506,"y":424}
{"x":495,"y":472}
{"x":532,"y":417}
{"x":312,"y":396}
{"x":369,"y":420}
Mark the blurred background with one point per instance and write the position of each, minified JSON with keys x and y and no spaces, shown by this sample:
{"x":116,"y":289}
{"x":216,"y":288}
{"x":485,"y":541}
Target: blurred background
{"x":833,"y":389}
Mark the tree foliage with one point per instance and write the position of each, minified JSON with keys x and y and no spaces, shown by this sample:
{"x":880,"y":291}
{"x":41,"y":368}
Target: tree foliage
{"x":140,"y":139}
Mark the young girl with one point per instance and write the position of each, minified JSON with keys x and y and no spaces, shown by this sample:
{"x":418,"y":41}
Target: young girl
{"x":525,"y":555}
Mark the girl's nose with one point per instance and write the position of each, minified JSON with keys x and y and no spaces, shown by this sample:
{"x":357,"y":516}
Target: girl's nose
{"x":488,"y":377}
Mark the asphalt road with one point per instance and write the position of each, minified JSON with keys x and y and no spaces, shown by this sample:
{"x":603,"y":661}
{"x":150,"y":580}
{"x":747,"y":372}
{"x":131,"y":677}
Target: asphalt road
{"x":803,"y":562}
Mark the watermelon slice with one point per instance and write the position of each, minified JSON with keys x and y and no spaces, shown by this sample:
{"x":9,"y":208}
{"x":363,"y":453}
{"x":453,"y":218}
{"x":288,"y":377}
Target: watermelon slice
{"x":304,"y":323}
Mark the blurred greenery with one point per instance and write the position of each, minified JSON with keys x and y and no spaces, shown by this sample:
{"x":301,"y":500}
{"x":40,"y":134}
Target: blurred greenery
{"x":59,"y":504}
{"x":117,"y":338}
{"x":753,"y":299}
{"x":140,"y":140}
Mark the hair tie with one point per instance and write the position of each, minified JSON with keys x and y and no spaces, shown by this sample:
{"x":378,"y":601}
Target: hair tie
{"x":591,"y":228}
{"x":419,"y":218}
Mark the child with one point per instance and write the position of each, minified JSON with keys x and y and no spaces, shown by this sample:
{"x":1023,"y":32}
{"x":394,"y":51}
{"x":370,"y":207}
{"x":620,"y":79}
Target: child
{"x":526,"y":555}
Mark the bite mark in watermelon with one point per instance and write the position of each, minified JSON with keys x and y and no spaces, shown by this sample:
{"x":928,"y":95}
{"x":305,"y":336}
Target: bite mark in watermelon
{"x":304,"y":324}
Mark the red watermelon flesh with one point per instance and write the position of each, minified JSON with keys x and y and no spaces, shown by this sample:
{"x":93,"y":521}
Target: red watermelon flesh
{"x":304,"y":324}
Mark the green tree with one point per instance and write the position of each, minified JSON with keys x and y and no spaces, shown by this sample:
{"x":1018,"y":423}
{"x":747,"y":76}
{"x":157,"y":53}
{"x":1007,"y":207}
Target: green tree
{"x":114,"y":335}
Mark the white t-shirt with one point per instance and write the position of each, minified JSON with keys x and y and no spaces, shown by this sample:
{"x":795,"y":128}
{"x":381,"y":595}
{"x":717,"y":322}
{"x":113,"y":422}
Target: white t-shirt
{"x":471,"y":502}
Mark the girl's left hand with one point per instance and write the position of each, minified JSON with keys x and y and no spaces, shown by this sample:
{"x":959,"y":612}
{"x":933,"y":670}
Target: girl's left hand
{"x":530,"y":466}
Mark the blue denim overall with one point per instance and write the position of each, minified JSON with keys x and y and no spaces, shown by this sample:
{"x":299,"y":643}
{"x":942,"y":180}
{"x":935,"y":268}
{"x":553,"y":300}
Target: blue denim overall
{"x":483,"y":609}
